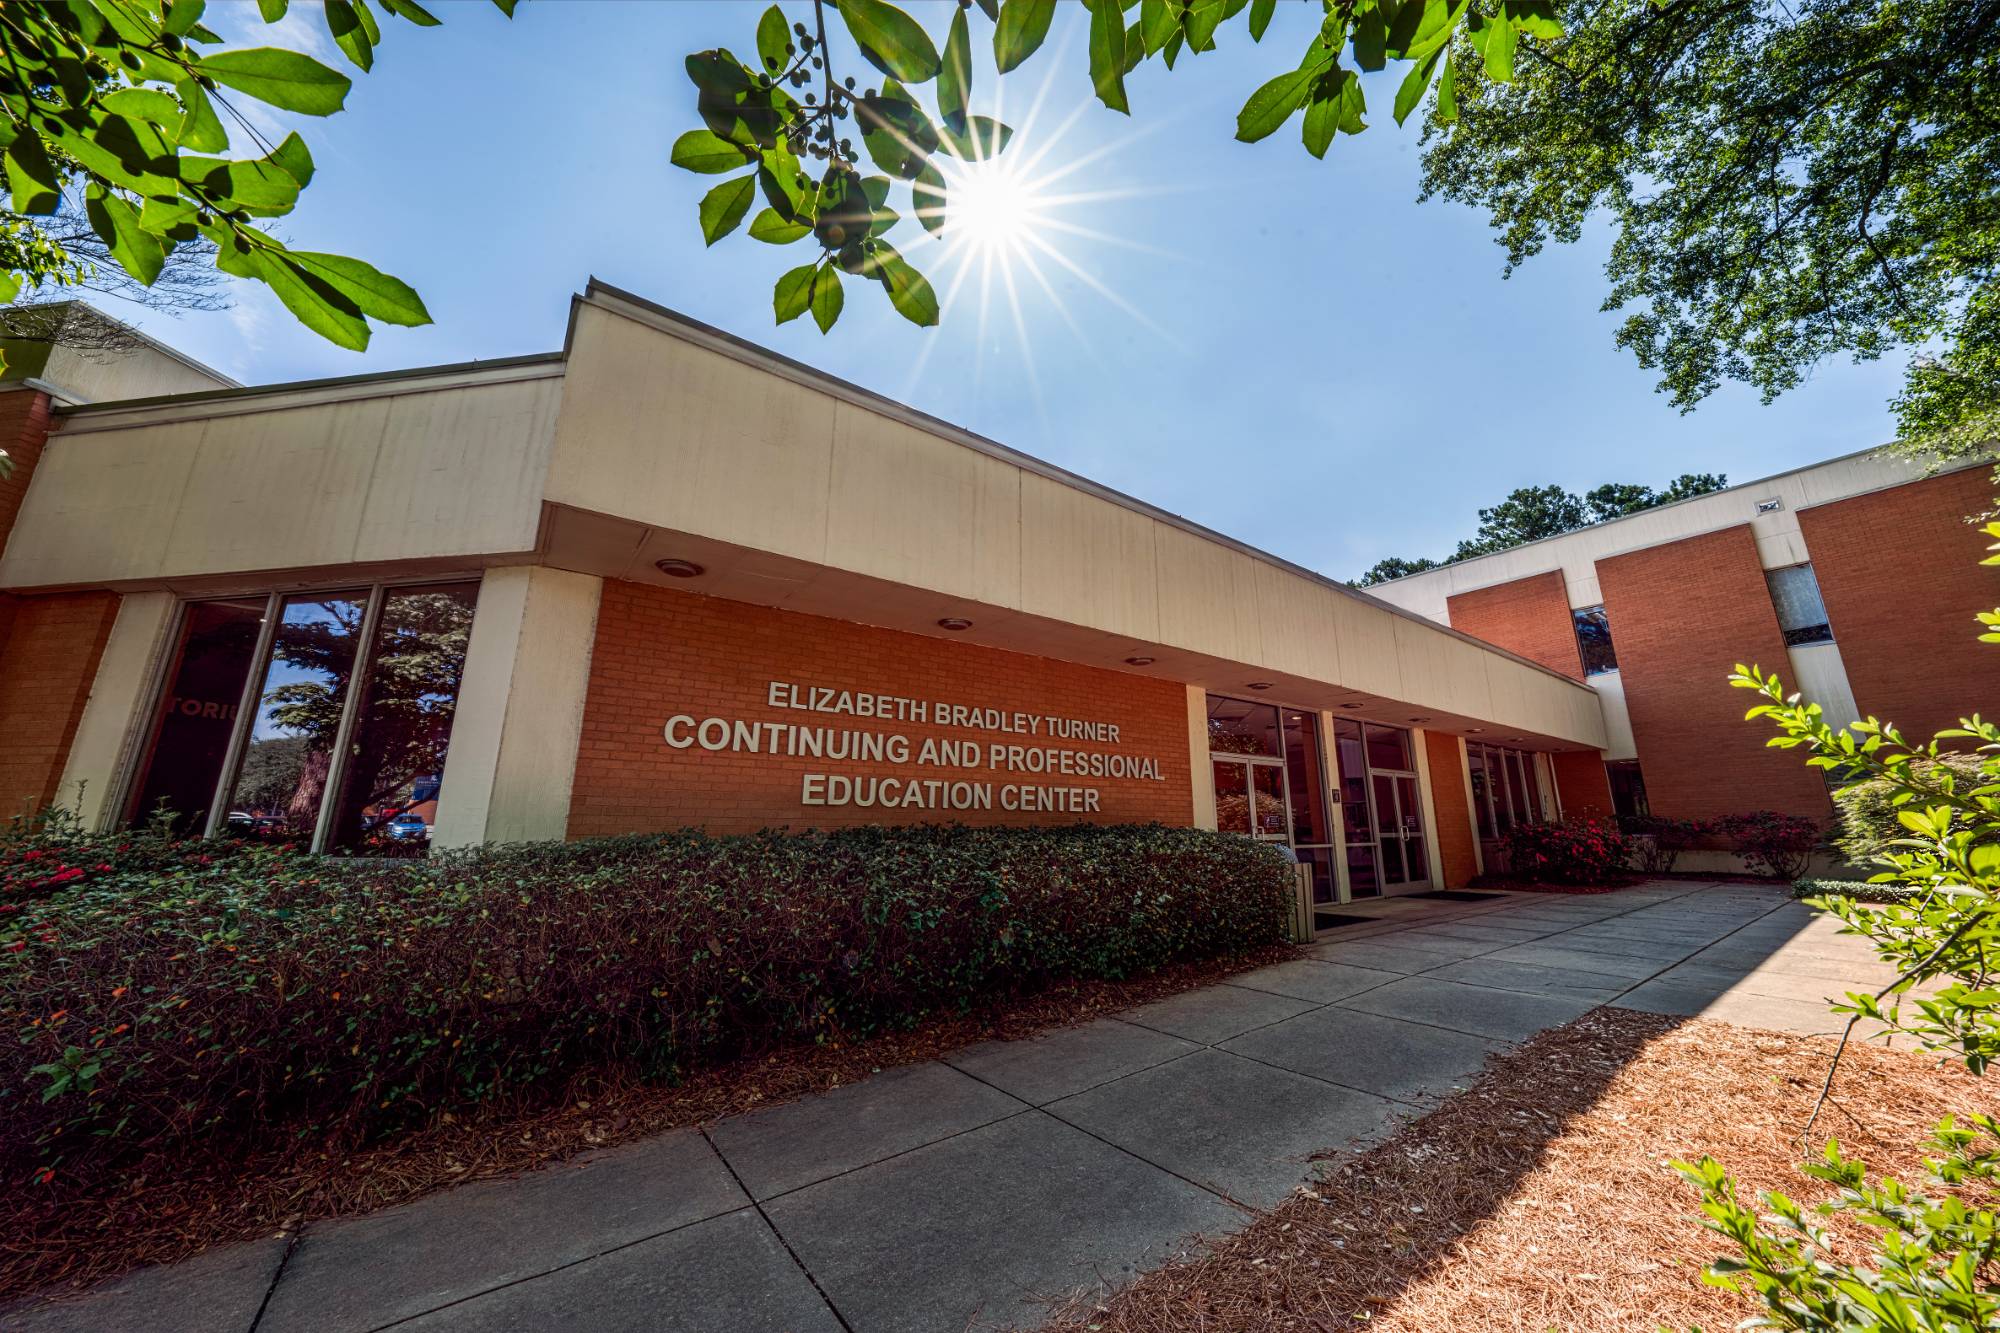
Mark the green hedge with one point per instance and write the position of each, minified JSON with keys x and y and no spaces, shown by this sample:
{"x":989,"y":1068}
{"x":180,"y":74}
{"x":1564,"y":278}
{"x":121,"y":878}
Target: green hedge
{"x":1866,"y":822}
{"x":266,"y":996}
{"x":1859,"y":890}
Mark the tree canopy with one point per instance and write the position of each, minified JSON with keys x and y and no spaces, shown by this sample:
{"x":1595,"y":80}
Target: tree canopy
{"x":1534,"y":512}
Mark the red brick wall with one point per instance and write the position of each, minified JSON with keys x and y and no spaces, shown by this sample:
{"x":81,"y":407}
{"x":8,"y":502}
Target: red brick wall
{"x":1900,"y":573}
{"x":24,"y":429}
{"x":1682,"y":614}
{"x":47,"y":665}
{"x":1529,"y":616}
{"x":1582,"y":786}
{"x":660,"y":653}
{"x":1456,"y":859}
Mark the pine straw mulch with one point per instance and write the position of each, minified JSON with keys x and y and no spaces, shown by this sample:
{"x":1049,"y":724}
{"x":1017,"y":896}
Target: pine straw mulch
{"x":1541,"y":1197}
{"x":178,"y":1206}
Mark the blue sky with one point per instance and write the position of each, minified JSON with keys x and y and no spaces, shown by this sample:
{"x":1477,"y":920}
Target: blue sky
{"x":1300,"y":355}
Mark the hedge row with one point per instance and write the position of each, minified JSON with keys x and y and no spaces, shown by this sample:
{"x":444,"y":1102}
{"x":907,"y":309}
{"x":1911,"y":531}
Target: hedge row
{"x":265,"y":994}
{"x":1861,"y":891}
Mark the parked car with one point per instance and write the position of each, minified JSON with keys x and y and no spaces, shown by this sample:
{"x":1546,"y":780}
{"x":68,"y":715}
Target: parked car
{"x":407,"y":826}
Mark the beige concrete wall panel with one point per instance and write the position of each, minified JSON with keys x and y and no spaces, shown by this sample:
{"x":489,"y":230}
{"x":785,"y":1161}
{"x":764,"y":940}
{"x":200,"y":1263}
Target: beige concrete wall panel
{"x":912,"y":508}
{"x":1207,"y":596}
{"x":1299,"y":637}
{"x":1087,"y":562}
{"x":101,"y":504}
{"x":677,"y":436}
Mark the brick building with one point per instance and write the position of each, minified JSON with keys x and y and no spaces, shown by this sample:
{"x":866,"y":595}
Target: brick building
{"x":664,"y":578}
{"x":1856,"y":580}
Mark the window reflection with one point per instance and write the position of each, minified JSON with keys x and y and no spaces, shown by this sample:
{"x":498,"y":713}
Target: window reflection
{"x":282,"y":780}
{"x":197,"y":713}
{"x":1237,"y":727}
{"x":1232,"y":797}
{"x":395,"y":764}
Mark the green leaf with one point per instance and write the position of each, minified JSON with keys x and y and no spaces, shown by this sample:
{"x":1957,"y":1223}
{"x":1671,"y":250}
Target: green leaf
{"x":1273,"y":104}
{"x":316,"y":304}
{"x":116,"y":223}
{"x":411,"y":10}
{"x":991,"y":8}
{"x":182,"y":16}
{"x":1499,"y":51}
{"x":774,"y":42}
{"x":1020,"y":30}
{"x":1260,"y":17}
{"x":36,"y":183}
{"x":373,"y":292}
{"x":1371,"y":36}
{"x":294,"y":159}
{"x":954,"y":86}
{"x":349,"y":34}
{"x":892,"y":41}
{"x":909,"y":291}
{"x":147,"y":104}
{"x":771,"y":227}
{"x":1322,"y":121}
{"x":928,"y":193}
{"x":793,"y":294}
{"x":984,"y":137}
{"x":898,"y":135}
{"x":827,"y":297}
{"x":1437,"y":20}
{"x":200,"y":128}
{"x":1201,"y":20}
{"x":272,"y":10}
{"x":1415,"y":83}
{"x":1107,"y":53}
{"x":724,"y":206}
{"x":710,"y":154}
{"x":1448,"y":92}
{"x":718,"y":73}
{"x":284,"y":79}
{"x":262,"y":186}
{"x":785,"y":186}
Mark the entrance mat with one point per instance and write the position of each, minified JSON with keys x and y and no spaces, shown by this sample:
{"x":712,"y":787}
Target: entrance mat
{"x":1457,"y":895}
{"x":1335,"y":920}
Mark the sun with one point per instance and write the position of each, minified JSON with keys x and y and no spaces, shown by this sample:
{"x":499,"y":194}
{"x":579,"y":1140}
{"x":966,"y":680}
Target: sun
{"x":994,"y":208}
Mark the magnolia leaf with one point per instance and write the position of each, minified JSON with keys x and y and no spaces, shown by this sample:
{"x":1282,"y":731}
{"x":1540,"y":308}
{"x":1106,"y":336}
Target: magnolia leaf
{"x":793,"y":293}
{"x":1448,"y":91}
{"x":116,"y":223}
{"x":373,"y":292}
{"x":827,"y":297}
{"x":954,"y":87}
{"x":774,"y":42}
{"x":1260,"y":17}
{"x":708,"y":153}
{"x":892,"y":41}
{"x":200,"y":128}
{"x":284,"y":79}
{"x":724,"y":206}
{"x":1019,"y":31}
{"x":771,"y":227}
{"x":1273,"y":104}
{"x":1499,"y":50}
{"x":909,"y":291}
{"x":1371,"y":38}
{"x":411,"y":10}
{"x":349,"y":33}
{"x":36,"y":184}
{"x":928,"y":192}
{"x":316,"y":304}
{"x":1415,"y":83}
{"x":1107,"y":53}
{"x":294,"y":159}
{"x":984,"y":137}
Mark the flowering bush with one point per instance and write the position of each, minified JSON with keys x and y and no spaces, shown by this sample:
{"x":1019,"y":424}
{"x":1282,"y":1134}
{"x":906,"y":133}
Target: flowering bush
{"x":1576,"y":851}
{"x":1658,"y":841}
{"x":50,"y":853}
{"x":268,"y":996}
{"x":1773,"y":844}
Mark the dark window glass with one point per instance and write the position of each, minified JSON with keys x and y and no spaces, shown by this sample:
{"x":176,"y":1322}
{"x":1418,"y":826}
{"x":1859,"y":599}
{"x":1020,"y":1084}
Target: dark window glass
{"x":1308,"y":784}
{"x":1232,"y":797}
{"x":1503,"y":791}
{"x":1267,"y":786}
{"x":278,"y":789}
{"x":1801,"y":610}
{"x":1593,"y":640}
{"x":1530,"y":789}
{"x":1482,"y":790}
{"x":1353,"y":781}
{"x":1236,"y":727}
{"x":197,"y":712}
{"x":395,"y":764}
{"x":1388,"y":747}
{"x":1363,"y":880}
{"x":1321,"y":861}
{"x":1628,"y":787}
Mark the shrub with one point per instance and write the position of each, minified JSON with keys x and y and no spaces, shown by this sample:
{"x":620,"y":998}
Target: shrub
{"x":1866,"y":823}
{"x":1854,"y":890}
{"x":268,"y":994}
{"x":50,"y":852}
{"x":1577,"y":851}
{"x":1658,"y":841}
{"x":1774,"y":844}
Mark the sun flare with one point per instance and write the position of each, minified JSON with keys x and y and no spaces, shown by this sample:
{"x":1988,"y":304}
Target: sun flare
{"x":993,"y":207}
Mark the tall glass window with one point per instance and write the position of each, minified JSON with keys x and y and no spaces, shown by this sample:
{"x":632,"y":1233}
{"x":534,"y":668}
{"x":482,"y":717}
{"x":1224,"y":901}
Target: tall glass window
{"x":316,"y":719}
{"x":1380,"y":807}
{"x":196,"y":714}
{"x":1236,"y":727}
{"x":1593,"y":640}
{"x":1505,"y":788}
{"x":1801,"y":610}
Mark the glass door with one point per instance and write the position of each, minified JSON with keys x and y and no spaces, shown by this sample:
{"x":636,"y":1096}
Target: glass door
{"x":1381,"y":808}
{"x":1250,"y":799}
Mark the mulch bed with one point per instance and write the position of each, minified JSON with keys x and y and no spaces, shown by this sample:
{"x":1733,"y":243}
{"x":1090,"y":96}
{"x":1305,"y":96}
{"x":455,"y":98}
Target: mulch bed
{"x":174,"y":1208}
{"x":1542,"y":1198}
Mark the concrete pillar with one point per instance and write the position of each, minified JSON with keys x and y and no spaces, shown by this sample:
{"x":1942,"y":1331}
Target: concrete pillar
{"x":1199,"y":769}
{"x":114,"y":721}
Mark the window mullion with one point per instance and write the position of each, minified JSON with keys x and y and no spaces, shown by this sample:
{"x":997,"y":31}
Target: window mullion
{"x":247,"y":709}
{"x":350,"y":708}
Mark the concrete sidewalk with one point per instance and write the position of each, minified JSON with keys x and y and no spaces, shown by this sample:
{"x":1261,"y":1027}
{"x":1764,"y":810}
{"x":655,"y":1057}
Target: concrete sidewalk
{"x":967,"y":1192}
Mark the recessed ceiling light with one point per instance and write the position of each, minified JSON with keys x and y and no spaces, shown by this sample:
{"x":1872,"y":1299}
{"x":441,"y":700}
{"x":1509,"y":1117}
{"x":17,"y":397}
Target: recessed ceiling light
{"x":1514,"y":740}
{"x":1419,"y":719}
{"x":1138,"y":661}
{"x":954,"y":623}
{"x":1260,"y":684}
{"x":679,"y":569}
{"x":1474,"y":730}
{"x":1350,"y":705}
